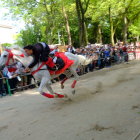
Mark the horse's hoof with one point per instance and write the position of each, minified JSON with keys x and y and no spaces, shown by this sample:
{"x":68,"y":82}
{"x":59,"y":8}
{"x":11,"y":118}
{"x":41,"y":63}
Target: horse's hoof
{"x":62,"y":86}
{"x":69,"y":99}
{"x":56,"y":96}
{"x":73,"y":91}
{"x":66,"y":96}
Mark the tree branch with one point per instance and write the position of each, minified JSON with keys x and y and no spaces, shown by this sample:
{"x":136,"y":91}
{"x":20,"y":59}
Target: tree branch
{"x":87,"y":3}
{"x":133,"y":19}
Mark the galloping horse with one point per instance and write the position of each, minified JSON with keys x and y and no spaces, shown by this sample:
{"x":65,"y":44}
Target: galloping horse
{"x":40,"y":71}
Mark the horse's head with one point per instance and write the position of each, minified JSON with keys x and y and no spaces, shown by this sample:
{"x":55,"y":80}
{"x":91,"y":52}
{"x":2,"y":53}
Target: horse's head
{"x":9,"y":56}
{"x":5,"y":58}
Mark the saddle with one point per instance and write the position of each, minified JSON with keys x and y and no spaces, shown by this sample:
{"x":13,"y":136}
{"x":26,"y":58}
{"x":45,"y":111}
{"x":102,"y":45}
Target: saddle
{"x":61,"y":64}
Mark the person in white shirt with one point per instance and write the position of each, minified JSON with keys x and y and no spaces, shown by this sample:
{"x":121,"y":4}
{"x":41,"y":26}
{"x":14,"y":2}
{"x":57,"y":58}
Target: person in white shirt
{"x":71,"y":49}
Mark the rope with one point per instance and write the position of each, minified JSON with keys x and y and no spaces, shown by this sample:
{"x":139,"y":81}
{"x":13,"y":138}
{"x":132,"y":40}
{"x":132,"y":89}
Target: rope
{"x":23,"y":86}
{"x":16,"y":76}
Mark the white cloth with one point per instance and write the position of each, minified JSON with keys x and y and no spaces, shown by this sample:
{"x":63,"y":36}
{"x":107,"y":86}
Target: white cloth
{"x":7,"y":73}
{"x":71,"y":49}
{"x":54,"y":51}
{"x":19,"y":67}
{"x":19,"y":70}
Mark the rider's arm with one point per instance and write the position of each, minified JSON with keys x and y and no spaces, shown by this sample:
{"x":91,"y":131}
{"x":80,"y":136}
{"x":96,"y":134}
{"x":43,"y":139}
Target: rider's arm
{"x":35,"y":61}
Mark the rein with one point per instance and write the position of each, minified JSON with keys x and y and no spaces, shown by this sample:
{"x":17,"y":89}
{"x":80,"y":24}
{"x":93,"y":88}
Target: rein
{"x":39,"y":68}
{"x":10,"y":56}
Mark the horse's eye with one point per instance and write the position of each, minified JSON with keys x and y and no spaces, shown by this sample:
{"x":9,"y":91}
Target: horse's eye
{"x":5,"y":56}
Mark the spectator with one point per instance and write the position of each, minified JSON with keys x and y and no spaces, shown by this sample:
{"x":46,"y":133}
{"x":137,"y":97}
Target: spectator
{"x":125,"y":54}
{"x":2,"y":88}
{"x":12,"y":79}
{"x":71,"y":49}
{"x":107,"y":58}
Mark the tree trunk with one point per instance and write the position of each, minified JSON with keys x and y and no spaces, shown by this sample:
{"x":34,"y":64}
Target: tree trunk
{"x":79,"y":21}
{"x":125,"y":29}
{"x":125,"y":23}
{"x":111,"y":27}
{"x":99,"y":34}
{"x":67,"y":25}
{"x":63,"y":39}
{"x":86,"y":36}
{"x":82,"y":26}
{"x":138,"y":38}
{"x":84,"y":43}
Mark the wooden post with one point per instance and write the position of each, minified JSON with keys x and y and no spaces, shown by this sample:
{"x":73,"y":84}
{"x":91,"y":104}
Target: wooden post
{"x":1,"y":49}
{"x":8,"y":87}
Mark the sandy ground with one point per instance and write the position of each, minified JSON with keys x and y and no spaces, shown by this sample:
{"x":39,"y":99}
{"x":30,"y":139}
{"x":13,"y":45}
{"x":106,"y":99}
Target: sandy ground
{"x":106,"y":107}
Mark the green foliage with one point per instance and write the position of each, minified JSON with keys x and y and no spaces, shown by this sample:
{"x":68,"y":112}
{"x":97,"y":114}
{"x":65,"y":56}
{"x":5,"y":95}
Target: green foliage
{"x":134,"y":29}
{"x":44,"y":19}
{"x":29,"y":35}
{"x":6,"y":44}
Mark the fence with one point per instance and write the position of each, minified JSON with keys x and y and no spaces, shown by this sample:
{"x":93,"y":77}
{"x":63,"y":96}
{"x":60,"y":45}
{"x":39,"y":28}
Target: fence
{"x":9,"y":89}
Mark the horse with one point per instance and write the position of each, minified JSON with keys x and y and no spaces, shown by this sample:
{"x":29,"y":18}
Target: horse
{"x":40,"y":71}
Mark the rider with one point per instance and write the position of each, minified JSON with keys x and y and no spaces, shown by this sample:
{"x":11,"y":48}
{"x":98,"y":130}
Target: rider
{"x":39,"y":51}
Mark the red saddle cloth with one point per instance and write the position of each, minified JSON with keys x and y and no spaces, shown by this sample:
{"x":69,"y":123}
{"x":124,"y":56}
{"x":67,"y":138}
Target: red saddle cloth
{"x":66,"y":60}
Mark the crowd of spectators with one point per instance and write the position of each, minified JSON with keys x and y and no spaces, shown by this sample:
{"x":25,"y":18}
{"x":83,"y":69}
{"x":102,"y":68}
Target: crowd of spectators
{"x":105,"y":55}
{"x":101,"y":55}
{"x":11,"y":82}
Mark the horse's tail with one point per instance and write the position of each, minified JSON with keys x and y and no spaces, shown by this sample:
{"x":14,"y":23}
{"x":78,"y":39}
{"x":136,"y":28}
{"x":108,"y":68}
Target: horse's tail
{"x":83,"y":60}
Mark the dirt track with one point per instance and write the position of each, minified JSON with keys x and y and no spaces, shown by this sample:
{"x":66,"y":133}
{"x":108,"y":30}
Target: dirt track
{"x":106,"y":107}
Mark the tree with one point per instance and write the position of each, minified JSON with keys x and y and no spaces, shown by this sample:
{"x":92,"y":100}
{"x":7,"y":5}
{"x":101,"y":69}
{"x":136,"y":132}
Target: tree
{"x":81,"y":7}
{"x":130,"y":14}
{"x":97,"y":21}
{"x":67,"y":24}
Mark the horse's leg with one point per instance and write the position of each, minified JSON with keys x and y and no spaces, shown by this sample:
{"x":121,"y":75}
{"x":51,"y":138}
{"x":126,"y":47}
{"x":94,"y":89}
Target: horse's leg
{"x":63,"y":81}
{"x":56,"y":94}
{"x":45,"y":81}
{"x":67,"y":73}
{"x":76,"y":77}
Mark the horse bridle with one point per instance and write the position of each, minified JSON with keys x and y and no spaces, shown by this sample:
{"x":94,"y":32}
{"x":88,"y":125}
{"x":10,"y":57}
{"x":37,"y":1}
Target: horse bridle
{"x":10,"y":56}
